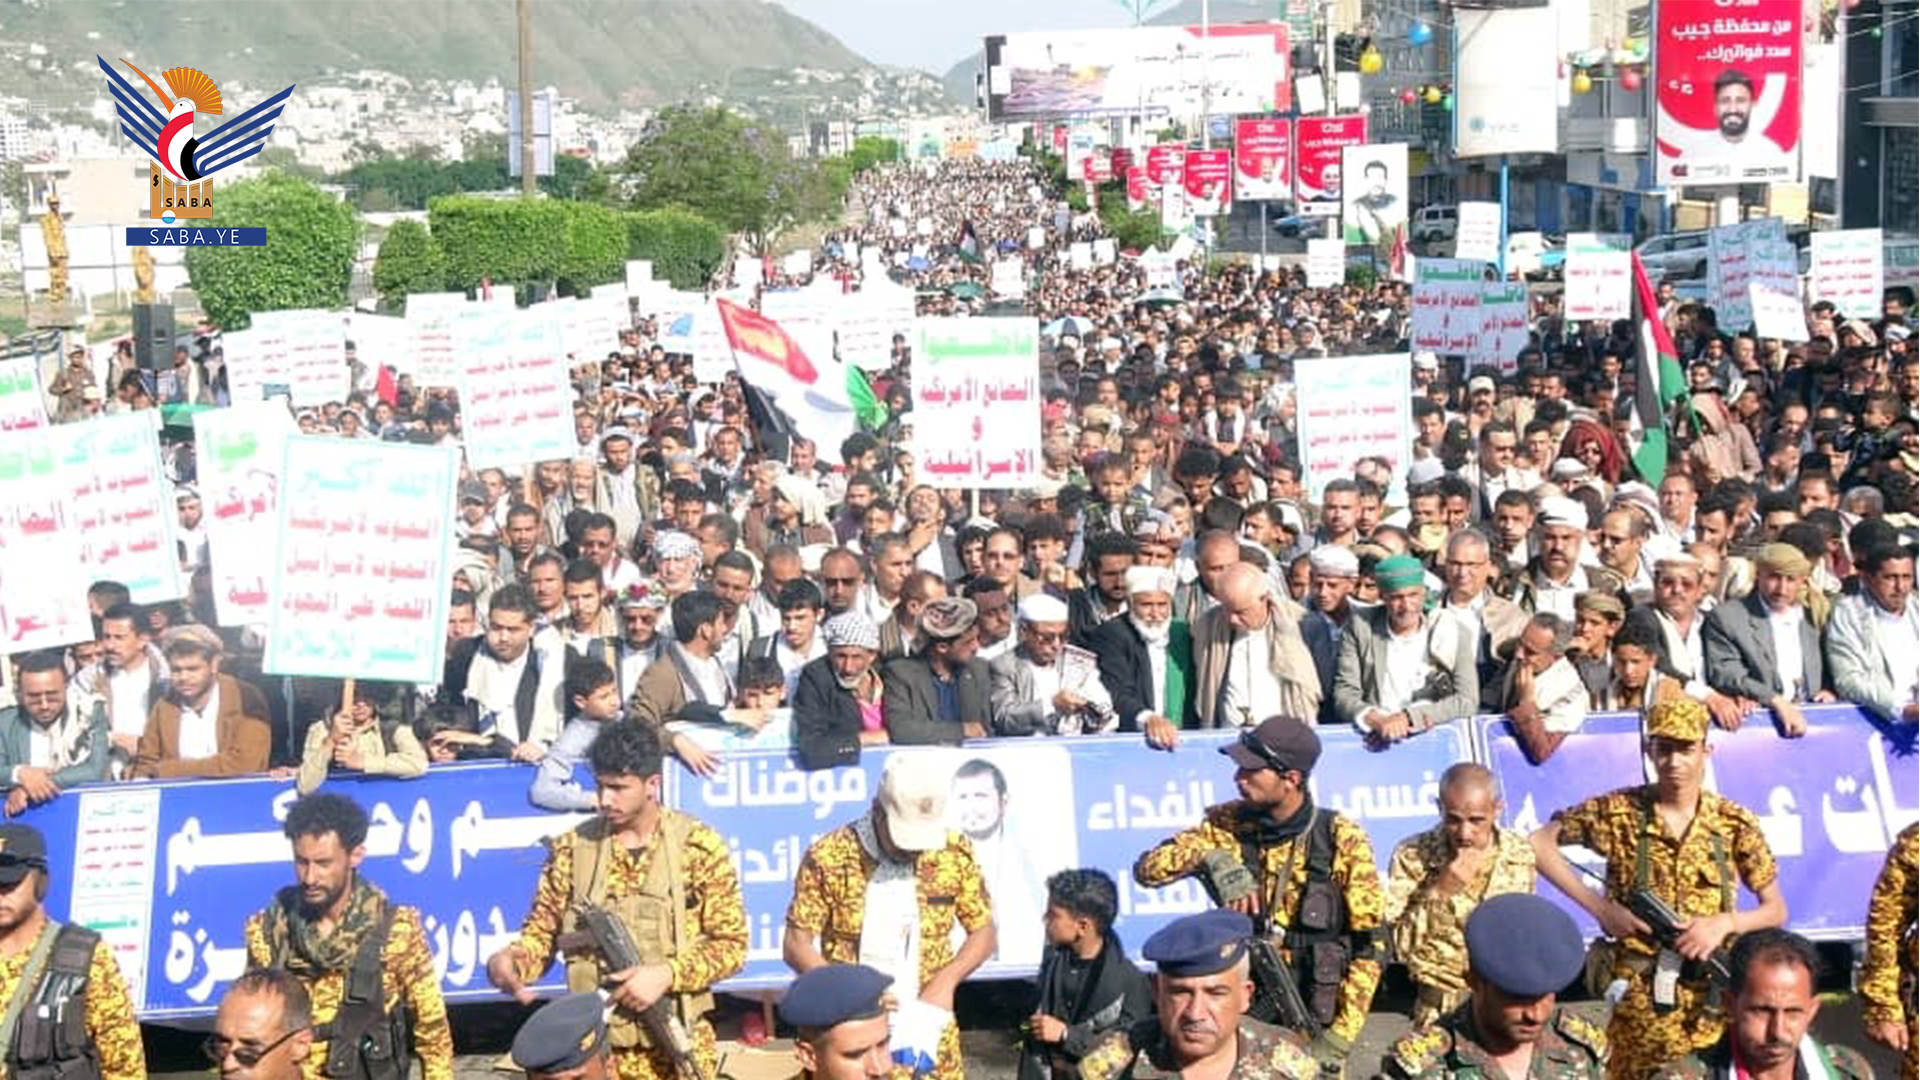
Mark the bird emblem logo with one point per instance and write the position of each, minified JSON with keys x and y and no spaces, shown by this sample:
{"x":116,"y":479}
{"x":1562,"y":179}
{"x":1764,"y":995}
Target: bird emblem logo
{"x":183,"y":164}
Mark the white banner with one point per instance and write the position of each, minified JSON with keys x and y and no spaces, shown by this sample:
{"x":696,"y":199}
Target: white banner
{"x":1326,"y":262}
{"x":976,"y":402}
{"x":1080,"y":255}
{"x":1503,"y":326}
{"x":1009,"y":279}
{"x":22,"y":406}
{"x":1506,"y":88}
{"x":1848,"y":271}
{"x":1106,"y":251}
{"x":43,"y":580}
{"x":1477,"y":233}
{"x":1446,"y":305}
{"x":238,"y":455}
{"x":1737,"y":254}
{"x":639,"y":275}
{"x":1162,"y":269}
{"x":430,"y":320}
{"x":1599,"y":277}
{"x":515,"y":394}
{"x":1354,"y":407}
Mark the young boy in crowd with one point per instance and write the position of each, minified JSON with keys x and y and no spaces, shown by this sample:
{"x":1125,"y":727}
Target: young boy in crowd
{"x":1088,"y":987}
{"x":593,"y":696}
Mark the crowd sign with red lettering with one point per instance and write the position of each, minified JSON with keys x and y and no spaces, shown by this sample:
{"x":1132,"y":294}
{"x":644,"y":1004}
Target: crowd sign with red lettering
{"x":1726,"y":91}
{"x":363,"y":559}
{"x":1209,"y":182}
{"x":514,"y":387}
{"x":976,"y":401}
{"x":1353,"y":407}
{"x":1262,"y":158}
{"x":1137,"y":188}
{"x":1318,"y":141}
{"x":238,"y":452}
{"x":1446,"y":315}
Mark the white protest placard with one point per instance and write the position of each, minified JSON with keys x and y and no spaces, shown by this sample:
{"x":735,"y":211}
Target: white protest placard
{"x":1777,"y":312}
{"x":712,"y":355}
{"x":1080,"y":255}
{"x":797,"y":263}
{"x":379,"y":341}
{"x":22,"y":406}
{"x":1446,"y":305}
{"x":1106,"y":251}
{"x":43,"y":582}
{"x":639,"y":275}
{"x":865,"y":323}
{"x":1735,"y":255}
{"x":748,"y":273}
{"x":923,"y":227}
{"x":976,"y":401}
{"x":365,"y":534}
{"x":256,"y":361}
{"x":1353,"y":407}
{"x":1009,"y":279}
{"x":1161,"y":268}
{"x":1326,"y":262}
{"x":430,"y":320}
{"x":313,"y":353}
{"x":119,"y":502}
{"x":1477,"y":232}
{"x":237,"y":454}
{"x":1503,"y":325}
{"x":1036,"y":237}
{"x":1599,"y":277}
{"x":1848,"y":271}
{"x":515,"y":396}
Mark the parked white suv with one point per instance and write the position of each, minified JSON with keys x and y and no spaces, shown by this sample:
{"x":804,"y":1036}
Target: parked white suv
{"x":1435,"y":223}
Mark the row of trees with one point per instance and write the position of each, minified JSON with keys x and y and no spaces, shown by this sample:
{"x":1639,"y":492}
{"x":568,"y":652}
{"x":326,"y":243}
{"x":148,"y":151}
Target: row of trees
{"x":696,"y":177}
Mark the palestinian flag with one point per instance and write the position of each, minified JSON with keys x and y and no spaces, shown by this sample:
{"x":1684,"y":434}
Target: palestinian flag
{"x":968,"y":242}
{"x":821,"y":399}
{"x":1658,"y":381}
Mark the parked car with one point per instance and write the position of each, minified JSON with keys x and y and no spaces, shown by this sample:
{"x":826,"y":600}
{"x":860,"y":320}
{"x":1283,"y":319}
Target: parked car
{"x":1536,"y":254}
{"x":1674,"y":256}
{"x":1432,"y":223}
{"x":1299,"y":225}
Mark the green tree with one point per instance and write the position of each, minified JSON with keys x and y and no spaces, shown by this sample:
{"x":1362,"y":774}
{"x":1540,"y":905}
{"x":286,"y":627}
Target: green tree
{"x":529,"y":241}
{"x":307,"y":261}
{"x":685,"y":248}
{"x":732,"y":171}
{"x":410,"y":262}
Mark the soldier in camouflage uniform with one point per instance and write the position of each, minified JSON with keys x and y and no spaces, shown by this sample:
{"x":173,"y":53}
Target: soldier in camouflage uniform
{"x":1198,"y":1030}
{"x":1771,"y":1006}
{"x":1887,"y":977}
{"x":1521,"y":952}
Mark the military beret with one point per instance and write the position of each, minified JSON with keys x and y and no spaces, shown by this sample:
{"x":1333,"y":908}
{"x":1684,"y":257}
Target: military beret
{"x":834,"y":994}
{"x":1199,"y":944}
{"x":1523,"y":945}
{"x":565,"y":1033}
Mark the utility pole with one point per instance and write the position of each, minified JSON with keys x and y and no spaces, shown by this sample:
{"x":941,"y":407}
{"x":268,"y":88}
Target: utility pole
{"x":523,"y":13}
{"x":1206,"y":83}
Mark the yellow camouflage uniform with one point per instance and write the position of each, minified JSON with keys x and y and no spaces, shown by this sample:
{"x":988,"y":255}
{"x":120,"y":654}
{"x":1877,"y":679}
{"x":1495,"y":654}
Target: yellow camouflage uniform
{"x":111,"y":1024}
{"x":829,"y":902}
{"x":407,"y":974}
{"x":1429,"y":927}
{"x":1262,"y":1052}
{"x":713,"y":898}
{"x":1695,"y":875}
{"x":1354,"y":873}
{"x":1569,"y":1048}
{"x":1887,"y":976}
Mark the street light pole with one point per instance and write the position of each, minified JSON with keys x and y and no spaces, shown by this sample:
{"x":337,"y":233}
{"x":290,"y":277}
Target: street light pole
{"x":523,"y":16}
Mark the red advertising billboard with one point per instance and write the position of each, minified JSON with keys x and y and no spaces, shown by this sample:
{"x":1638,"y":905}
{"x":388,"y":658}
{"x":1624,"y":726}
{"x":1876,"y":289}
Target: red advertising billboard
{"x":1165,"y":164}
{"x":1059,"y":138}
{"x":1316,"y":159}
{"x":1122,"y":160}
{"x":1262,"y":159}
{"x":1726,"y":91}
{"x":1096,"y":168}
{"x":1137,"y":188}
{"x":1209,"y":181}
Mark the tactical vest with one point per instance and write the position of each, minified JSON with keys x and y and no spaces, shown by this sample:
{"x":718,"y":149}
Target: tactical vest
{"x":48,"y":1014}
{"x":658,"y":919}
{"x":1320,"y":945}
{"x":364,"y":1040}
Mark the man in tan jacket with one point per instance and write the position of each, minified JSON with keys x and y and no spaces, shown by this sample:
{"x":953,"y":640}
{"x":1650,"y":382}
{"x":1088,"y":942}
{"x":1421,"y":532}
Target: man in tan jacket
{"x":208,"y":724}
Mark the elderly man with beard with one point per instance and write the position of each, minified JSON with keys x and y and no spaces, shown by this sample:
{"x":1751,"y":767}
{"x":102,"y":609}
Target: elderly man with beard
{"x":1027,"y":696}
{"x":1521,"y":952}
{"x":1248,"y":656}
{"x":1403,"y":669}
{"x":837,"y":697}
{"x":335,"y":931}
{"x":1146,"y":659}
{"x":1555,"y":575}
{"x":1770,"y":1009}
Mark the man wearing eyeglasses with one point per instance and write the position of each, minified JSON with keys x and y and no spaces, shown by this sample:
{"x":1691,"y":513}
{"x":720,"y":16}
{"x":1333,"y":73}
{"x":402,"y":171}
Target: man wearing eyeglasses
{"x":97,"y":1036}
{"x":1313,"y":889}
{"x":264,"y":1029}
{"x":1030,"y":696}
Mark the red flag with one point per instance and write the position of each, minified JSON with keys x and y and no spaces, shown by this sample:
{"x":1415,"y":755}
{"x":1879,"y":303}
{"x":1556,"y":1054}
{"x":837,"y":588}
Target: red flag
{"x":755,"y":335}
{"x":386,"y":387}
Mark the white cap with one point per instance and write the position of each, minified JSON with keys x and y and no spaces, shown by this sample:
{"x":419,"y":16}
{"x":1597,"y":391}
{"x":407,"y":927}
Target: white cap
{"x":1426,"y":360}
{"x":913,"y":799}
{"x":1334,"y":560}
{"x":1043,"y":608}
{"x":1425,"y":471}
{"x":1559,"y":510}
{"x":1151,"y":579}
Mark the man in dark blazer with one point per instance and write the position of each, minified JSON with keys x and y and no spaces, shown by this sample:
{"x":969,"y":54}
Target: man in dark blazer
{"x":942,"y":693}
{"x":1749,"y":644}
{"x":1143,"y":697}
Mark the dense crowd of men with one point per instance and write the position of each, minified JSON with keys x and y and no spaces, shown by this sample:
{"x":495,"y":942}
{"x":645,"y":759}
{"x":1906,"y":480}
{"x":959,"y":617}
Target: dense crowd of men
{"x":695,"y":569}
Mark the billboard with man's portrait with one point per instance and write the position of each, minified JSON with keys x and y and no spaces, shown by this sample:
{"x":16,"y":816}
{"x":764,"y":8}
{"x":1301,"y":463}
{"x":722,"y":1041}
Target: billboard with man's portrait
{"x":1727,"y":92}
{"x":1373,"y":194}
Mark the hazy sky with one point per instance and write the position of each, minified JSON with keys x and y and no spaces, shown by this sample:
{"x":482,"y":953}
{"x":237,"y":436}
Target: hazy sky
{"x":936,"y":34}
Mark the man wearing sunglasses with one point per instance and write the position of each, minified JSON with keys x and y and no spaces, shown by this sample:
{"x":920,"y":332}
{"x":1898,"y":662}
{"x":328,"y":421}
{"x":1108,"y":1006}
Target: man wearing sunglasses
{"x":264,"y":1029}
{"x":76,"y":1019}
{"x":1313,"y":890}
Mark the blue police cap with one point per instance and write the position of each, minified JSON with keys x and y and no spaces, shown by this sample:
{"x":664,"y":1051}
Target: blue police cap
{"x":1199,"y":944}
{"x":1524,"y":945}
{"x":565,"y":1033}
{"x":834,"y":994}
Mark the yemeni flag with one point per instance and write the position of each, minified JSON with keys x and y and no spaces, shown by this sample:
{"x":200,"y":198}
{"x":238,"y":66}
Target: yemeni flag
{"x":968,"y":242}
{"x":821,"y":399}
{"x":1658,"y":381}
